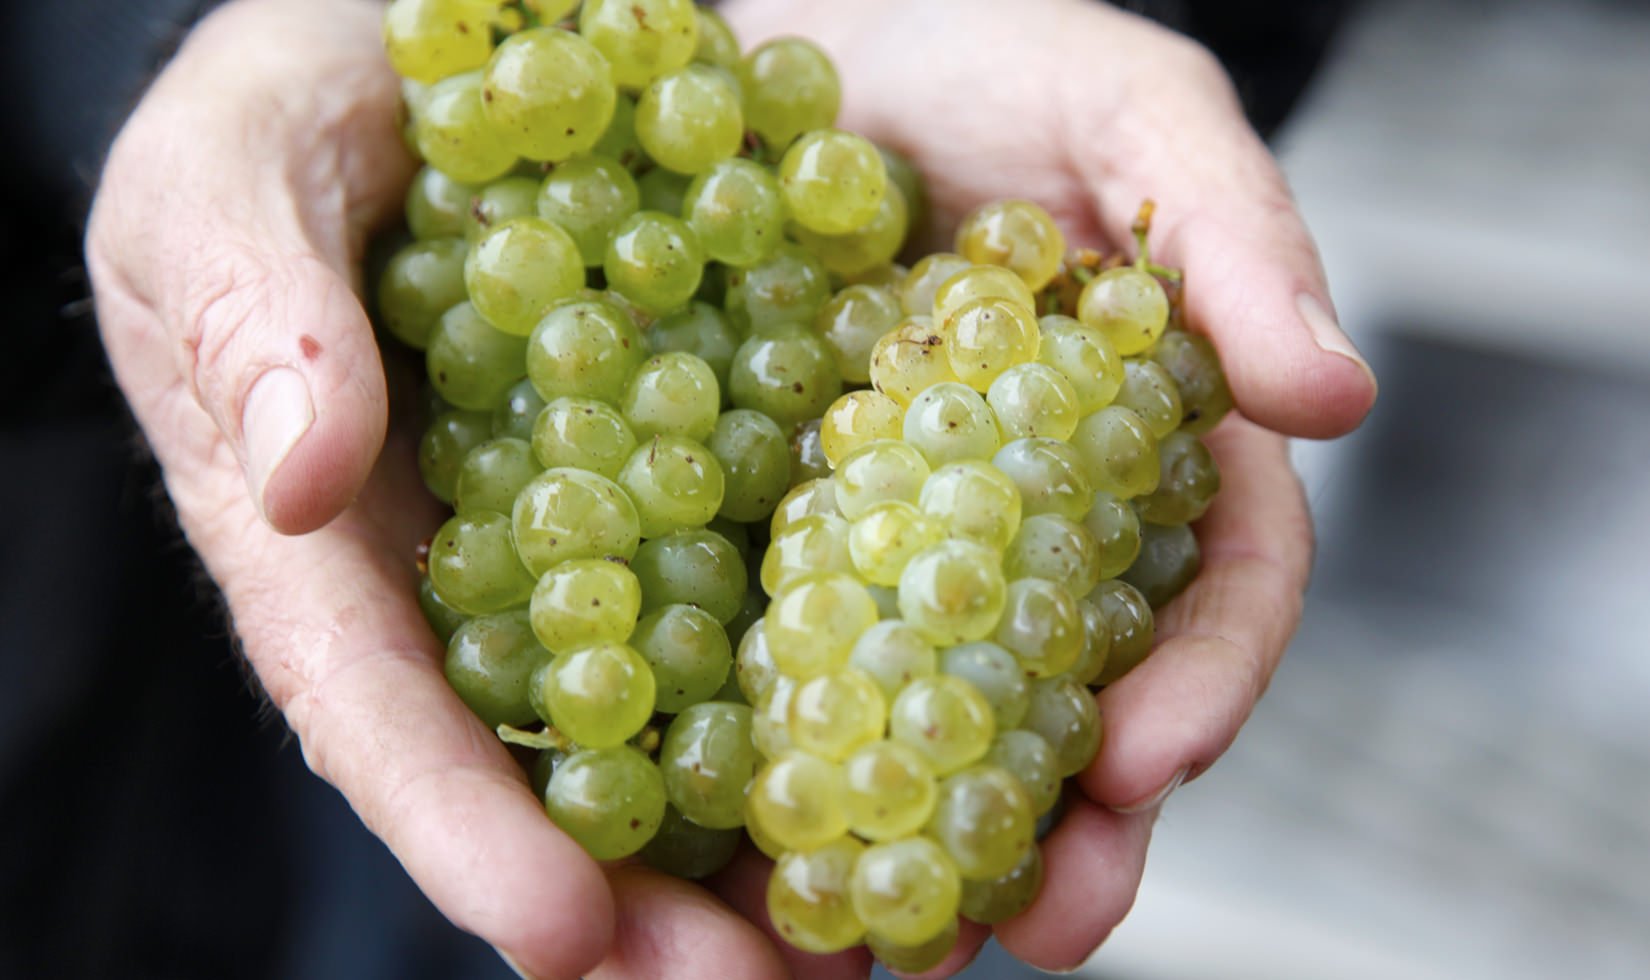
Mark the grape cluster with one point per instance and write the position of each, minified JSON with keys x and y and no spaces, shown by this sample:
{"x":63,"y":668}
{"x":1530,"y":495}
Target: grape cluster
{"x":684,"y":402}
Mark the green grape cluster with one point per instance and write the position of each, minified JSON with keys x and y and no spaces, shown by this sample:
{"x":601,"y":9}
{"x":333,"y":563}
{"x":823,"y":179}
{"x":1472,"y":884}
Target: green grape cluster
{"x":755,"y":531}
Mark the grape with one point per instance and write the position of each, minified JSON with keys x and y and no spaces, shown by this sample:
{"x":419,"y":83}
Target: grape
{"x":1063,"y":712}
{"x":790,"y":87}
{"x":883,"y":540}
{"x":735,"y":209}
{"x":987,"y":336}
{"x":893,"y":654}
{"x":813,"y":622}
{"x":873,"y":244}
{"x":1169,"y":560}
{"x":977,"y":282}
{"x":702,"y":330}
{"x":1115,"y":528}
{"x":852,"y":322}
{"x":698,"y":567}
{"x":566,"y":514}
{"x":1119,"y":452}
{"x":517,"y":271}
{"x":610,"y":800}
{"x":471,"y":364}
{"x":888,"y":791}
{"x":945,"y":719}
{"x":974,"y":501}
{"x":1028,"y":756}
{"x":489,"y":661}
{"x":983,"y":820}
{"x":878,"y":472}
{"x":951,"y":422}
{"x":832,"y":181}
{"x":584,"y":434}
{"x":662,"y":191}
{"x":675,"y":483}
{"x":788,"y":377}
{"x":421,"y":282}
{"x":807,"y":499}
{"x":1042,"y":626}
{"x":997,"y":899}
{"x":584,"y":602}
{"x":492,"y":475}
{"x":717,"y":44}
{"x":444,"y":446}
{"x":1132,"y":627}
{"x":1149,"y":390}
{"x":753,"y":666}
{"x":910,"y":360}
{"x":1126,"y":304}
{"x":906,"y":890}
{"x":1056,"y":548}
{"x":687,"y":850}
{"x":689,"y":654}
{"x":707,"y":761}
{"x":781,"y":291}
{"x":1191,"y":360}
{"x":1188,"y":480}
{"x":809,"y":544}
{"x":642,"y":39}
{"x":516,"y":412}
{"x":454,"y":136}
{"x":996,"y":674}
{"x":756,"y":464}
{"x":690,"y":119}
{"x":914,"y":959}
{"x":427,"y":40}
{"x":916,"y":293}
{"x":589,"y":197}
{"x":834,"y":714}
{"x":598,"y":696}
{"x":856,"y":419}
{"x":498,"y":202}
{"x":1018,"y":235}
{"x":953,"y":592}
{"x":1050,"y":476}
{"x":750,"y":610}
{"x":1096,"y":643}
{"x":586,"y":348}
{"x":473,"y":566}
{"x":808,"y":460}
{"x":444,"y":619}
{"x":1084,"y":357}
{"x":903,"y":175}
{"x":808,"y":897}
{"x":672,"y":394}
{"x":797,"y":801}
{"x":1033,"y":400}
{"x":436,"y":205}
{"x":771,"y":726}
{"x":619,"y":141}
{"x":655,"y":261}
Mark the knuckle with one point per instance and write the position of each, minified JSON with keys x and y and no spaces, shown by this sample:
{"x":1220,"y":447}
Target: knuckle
{"x":219,"y":305}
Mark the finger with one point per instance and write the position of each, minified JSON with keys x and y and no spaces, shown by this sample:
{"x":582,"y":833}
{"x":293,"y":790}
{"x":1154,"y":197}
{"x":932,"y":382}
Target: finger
{"x":667,"y":927}
{"x":1092,"y":865}
{"x":744,"y":886}
{"x":231,"y":206}
{"x":1220,"y":641}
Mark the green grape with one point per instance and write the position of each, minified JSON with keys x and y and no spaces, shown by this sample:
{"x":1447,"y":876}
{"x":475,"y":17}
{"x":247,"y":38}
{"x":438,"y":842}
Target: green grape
{"x":444,"y":620}
{"x":1119,"y":452}
{"x":888,"y":791}
{"x":987,"y":336}
{"x":911,"y":960}
{"x":998,"y":899}
{"x":812,"y":624}
{"x":857,"y":419}
{"x":689,"y":653}
{"x":1169,"y":560}
{"x":750,"y":610}
{"x":945,"y":719}
{"x":1056,"y":548}
{"x":1063,"y":712}
{"x":1126,"y":304}
{"x":550,"y":11}
{"x":916,"y":293}
{"x":977,"y":282}
{"x":684,"y":849}
{"x":707,"y":760}
{"x":436,"y":205}
{"x":832,"y":181}
{"x":1191,"y":360}
{"x":756,"y":464}
{"x":1187,"y":482}
{"x":471,"y":364}
{"x":893,"y":654}
{"x":584,"y":602}
{"x":996,"y":674}
{"x":407,"y":108}
{"x":422,"y":281}
{"x":589,"y":197}
{"x":565,"y":514}
{"x":734,"y":208}
{"x":642,"y":39}
{"x":867,"y":247}
{"x":655,"y":261}
{"x":516,"y":412}
{"x":548,"y":93}
{"x":789,"y":377}
{"x":1042,"y":626}
{"x":810,"y":498}
{"x":1084,"y":357}
{"x":984,"y":821}
{"x":884,"y":539}
{"x":797,"y":801}
{"x":427,"y":40}
{"x":906,"y":890}
{"x":886,"y":276}
{"x":834,"y":714}
{"x":786,"y":288}
{"x":1028,"y":756}
{"x":1115,"y":528}
{"x":663,"y":191}
{"x":619,"y":141}
{"x":584,"y":348}
{"x":489,"y":661}
{"x":675,"y":483}
{"x":702,"y":330}
{"x":610,"y":800}
{"x":753,"y":666}
{"x":697,"y":568}
{"x":520,"y":269}
{"x":887,"y":600}
{"x":672,"y":394}
{"x":771,"y":724}
{"x":473,"y":566}
{"x":852,"y":322}
{"x":808,"y":460}
{"x":454,"y":135}
{"x":808,"y":544}
{"x":1050,"y":476}
{"x":492,"y":475}
{"x":905,"y":176}
{"x":498,"y":202}
{"x":953,"y":592}
{"x":909,"y":360}
{"x":1033,"y":400}
{"x":689,"y":119}
{"x":790,"y":87}
{"x":1149,"y":390}
{"x":545,"y":765}
{"x":445,"y":444}
{"x":598,"y":696}
{"x":583,"y":434}
{"x":1017,"y":235}
{"x":808,"y":897}
{"x":1096,"y":643}
{"x":717,"y":43}
{"x":974,"y":501}
{"x":951,"y":422}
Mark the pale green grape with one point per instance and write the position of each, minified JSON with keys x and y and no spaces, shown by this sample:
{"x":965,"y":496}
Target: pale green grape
{"x":582,"y":433}
{"x":1017,"y":235}
{"x":916,"y":292}
{"x":702,"y":330}
{"x":672,"y":394}
{"x":454,"y":135}
{"x":888,"y":791}
{"x":786,"y":288}
{"x":1084,"y":357}
{"x":492,"y":475}
{"x":987,"y":336}
{"x":489,"y":662}
{"x":1056,"y":548}
{"x":788,"y":377}
{"x":619,"y":139}
{"x":662,"y":191}
{"x":470,"y":363}
{"x":945,"y":719}
{"x":427,"y":40}
{"x":1063,"y":712}
{"x":906,"y":891}
{"x":655,"y":261}
{"x":515,"y":413}
{"x":790,"y":87}
{"x":444,"y":446}
{"x":995,"y":900}
{"x":1096,"y":643}
{"x":977,"y":282}
{"x":852,"y":322}
{"x":421,"y":282}
{"x":697,"y":567}
{"x":1188,"y":480}
{"x":565,"y":514}
{"x":707,"y":761}
{"x":916,"y":959}
{"x":834,"y":714}
{"x":871,"y":245}
{"x":550,"y":11}
{"x":953,"y":592}
{"x":1150,"y":391}
{"x":856,"y":419}
{"x":735,"y":209}
{"x":520,"y":269}
{"x":894,"y":654}
{"x":611,"y":800}
{"x":589,"y":197}
{"x":586,"y":348}
{"x":813,"y":622}
{"x":984,"y":821}
{"x":690,"y":118}
{"x":717,"y":44}
{"x":598,"y":696}
{"x":807,"y":499}
{"x":808,"y":897}
{"x":548,"y":93}
{"x":498,"y":202}
{"x":444,"y":619}
{"x":584,"y":602}
{"x":951,"y":422}
{"x":1033,"y":400}
{"x":684,"y":849}
{"x":1126,"y":304}
{"x":904,"y":175}
{"x":808,"y":460}
{"x":1191,"y":360}
{"x":771,"y":725}
{"x":884,"y":539}
{"x":1115,"y":528}
{"x":473,"y":566}
{"x":1051,"y":476}
{"x":642,"y":39}
{"x":1042,"y":626}
{"x":808,"y":544}
{"x":996,"y":674}
{"x":832,"y":181}
{"x":909,"y":360}
{"x":675,"y":483}
{"x":878,"y":472}
{"x":689,"y":654}
{"x":436,"y":205}
{"x":1028,"y":756}
{"x":974,"y":501}
{"x":1119,"y":452}
{"x":797,"y":801}
{"x":1169,"y":560}
{"x":756,"y":464}
{"x":753,"y":666}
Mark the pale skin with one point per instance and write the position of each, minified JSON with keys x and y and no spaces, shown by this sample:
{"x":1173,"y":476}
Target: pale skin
{"x":224,"y":248}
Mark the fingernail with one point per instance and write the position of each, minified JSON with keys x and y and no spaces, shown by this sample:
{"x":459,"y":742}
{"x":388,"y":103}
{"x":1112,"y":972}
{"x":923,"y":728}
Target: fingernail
{"x":1328,"y":334}
{"x":277,"y":414}
{"x":517,"y":968}
{"x":1155,"y":800}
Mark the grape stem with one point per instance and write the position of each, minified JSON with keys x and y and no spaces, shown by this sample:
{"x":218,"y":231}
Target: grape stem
{"x":549,"y":738}
{"x":1141,"y":229}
